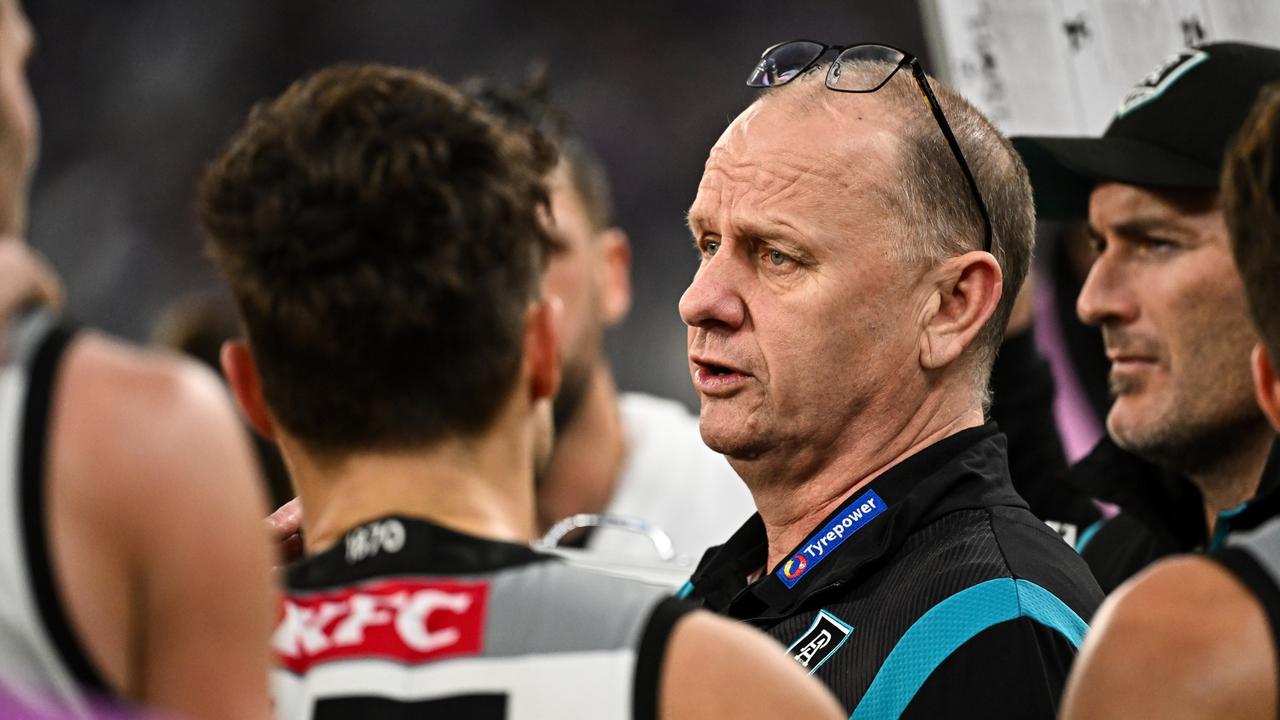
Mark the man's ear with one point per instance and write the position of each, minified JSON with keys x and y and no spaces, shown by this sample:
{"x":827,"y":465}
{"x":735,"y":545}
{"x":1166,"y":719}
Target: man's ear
{"x":965,"y":292}
{"x":1266,"y":385}
{"x":246,"y":386}
{"x":615,"y":264}
{"x":542,"y":346}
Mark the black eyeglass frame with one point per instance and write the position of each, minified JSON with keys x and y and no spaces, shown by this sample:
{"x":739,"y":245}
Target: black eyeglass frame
{"x":917,"y":72}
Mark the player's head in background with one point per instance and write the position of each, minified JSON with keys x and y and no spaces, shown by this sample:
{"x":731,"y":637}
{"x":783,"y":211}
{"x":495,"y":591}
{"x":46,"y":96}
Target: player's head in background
{"x":590,"y":261}
{"x":384,"y":240}
{"x":1251,"y":204}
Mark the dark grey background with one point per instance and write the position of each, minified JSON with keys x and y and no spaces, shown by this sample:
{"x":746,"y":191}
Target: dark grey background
{"x":136,"y":95}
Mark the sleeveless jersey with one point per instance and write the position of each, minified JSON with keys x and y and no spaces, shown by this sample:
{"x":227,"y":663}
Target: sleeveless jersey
{"x":42,"y":662}
{"x":406,"y":618}
{"x":1253,"y":557}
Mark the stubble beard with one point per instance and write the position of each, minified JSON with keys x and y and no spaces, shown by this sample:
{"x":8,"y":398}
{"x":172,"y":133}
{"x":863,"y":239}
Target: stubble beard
{"x":1194,"y":435}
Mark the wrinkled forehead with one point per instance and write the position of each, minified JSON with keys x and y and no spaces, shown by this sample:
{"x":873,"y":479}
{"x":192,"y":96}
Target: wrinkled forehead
{"x":829,"y":155}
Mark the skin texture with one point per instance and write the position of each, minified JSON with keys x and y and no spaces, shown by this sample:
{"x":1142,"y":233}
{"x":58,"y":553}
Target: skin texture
{"x":589,"y":273}
{"x":1171,"y":306}
{"x":128,"y":517}
{"x":1155,"y":651}
{"x":152,"y":492}
{"x":840,"y":360}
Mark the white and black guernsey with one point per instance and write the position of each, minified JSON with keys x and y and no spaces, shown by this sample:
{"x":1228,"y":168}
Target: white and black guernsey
{"x":42,"y":662}
{"x":404,"y":618}
{"x":1253,"y":557}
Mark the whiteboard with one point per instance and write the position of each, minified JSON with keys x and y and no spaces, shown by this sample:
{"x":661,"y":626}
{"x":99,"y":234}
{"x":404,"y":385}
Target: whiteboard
{"x":1061,"y":67}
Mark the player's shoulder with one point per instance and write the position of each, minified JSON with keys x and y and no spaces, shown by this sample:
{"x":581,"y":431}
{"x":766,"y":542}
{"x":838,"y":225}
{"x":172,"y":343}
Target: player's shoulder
{"x":1199,"y":637}
{"x":1176,"y":593}
{"x":113,"y":376}
{"x":149,"y":421}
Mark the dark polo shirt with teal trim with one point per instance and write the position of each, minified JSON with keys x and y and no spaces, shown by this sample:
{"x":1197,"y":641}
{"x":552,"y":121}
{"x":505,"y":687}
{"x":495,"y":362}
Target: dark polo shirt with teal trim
{"x":932,"y":592}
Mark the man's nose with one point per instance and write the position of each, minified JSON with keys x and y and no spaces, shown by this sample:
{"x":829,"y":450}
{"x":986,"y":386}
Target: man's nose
{"x":714,"y":297}
{"x":1108,"y":294}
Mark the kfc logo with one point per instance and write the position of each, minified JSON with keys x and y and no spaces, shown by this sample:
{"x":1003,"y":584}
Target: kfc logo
{"x":411,"y":621}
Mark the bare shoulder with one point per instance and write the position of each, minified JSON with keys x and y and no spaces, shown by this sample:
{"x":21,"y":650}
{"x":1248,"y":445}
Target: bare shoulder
{"x":1181,"y":639}
{"x":142,"y":438}
{"x":154,"y":481}
{"x":116,"y":378}
{"x":720,"y":668}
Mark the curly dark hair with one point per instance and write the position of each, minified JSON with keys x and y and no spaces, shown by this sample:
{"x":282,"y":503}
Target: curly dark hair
{"x":383,"y":237}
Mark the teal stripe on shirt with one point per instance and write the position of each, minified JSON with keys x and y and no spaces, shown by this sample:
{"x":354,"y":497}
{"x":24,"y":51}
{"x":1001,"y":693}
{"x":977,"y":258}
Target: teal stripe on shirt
{"x":950,"y":624}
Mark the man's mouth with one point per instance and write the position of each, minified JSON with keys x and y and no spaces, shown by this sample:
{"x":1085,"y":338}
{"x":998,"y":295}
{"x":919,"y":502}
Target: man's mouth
{"x":717,"y":378}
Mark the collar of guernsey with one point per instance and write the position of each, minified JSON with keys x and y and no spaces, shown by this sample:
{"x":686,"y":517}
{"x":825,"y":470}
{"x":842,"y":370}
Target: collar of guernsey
{"x":1168,"y":499}
{"x":968,"y":470}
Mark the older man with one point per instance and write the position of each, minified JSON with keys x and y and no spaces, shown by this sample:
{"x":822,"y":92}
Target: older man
{"x":1205,"y":631}
{"x":857,"y":269}
{"x":1186,"y":457}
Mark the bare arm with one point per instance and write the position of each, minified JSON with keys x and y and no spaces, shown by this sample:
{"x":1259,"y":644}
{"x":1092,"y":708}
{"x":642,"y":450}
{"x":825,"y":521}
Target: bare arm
{"x":180,"y":509}
{"x":1181,"y":640}
{"x":716,"y":668}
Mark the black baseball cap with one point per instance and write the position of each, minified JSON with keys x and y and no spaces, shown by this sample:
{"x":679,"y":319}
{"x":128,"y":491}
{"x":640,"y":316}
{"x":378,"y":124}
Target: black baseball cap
{"x":1170,"y":131}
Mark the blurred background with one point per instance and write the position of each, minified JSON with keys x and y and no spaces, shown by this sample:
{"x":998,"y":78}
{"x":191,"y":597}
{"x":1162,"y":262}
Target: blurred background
{"x":136,"y":96}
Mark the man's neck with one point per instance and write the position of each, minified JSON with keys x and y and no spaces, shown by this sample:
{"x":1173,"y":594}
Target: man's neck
{"x":792,"y":506}
{"x":482,"y":486}
{"x":588,"y":456}
{"x":1235,"y":478}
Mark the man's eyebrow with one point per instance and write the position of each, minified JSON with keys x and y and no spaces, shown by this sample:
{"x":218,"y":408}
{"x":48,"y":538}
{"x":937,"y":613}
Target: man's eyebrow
{"x":1140,"y":226}
{"x":692,"y":220}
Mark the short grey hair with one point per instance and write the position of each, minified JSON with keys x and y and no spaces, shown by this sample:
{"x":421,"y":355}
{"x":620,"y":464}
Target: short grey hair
{"x":937,"y":217}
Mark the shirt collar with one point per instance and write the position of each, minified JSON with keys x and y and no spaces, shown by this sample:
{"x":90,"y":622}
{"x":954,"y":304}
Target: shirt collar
{"x":397,"y":545}
{"x":964,"y":471}
{"x":1169,"y":499}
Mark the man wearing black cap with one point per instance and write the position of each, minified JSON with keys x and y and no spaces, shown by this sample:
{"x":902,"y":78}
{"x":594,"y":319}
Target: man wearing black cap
{"x":1187,"y":446}
{"x":1206,"y":630}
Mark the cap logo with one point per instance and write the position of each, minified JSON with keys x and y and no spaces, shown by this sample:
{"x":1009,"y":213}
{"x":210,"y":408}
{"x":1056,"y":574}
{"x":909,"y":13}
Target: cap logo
{"x":1160,"y":79}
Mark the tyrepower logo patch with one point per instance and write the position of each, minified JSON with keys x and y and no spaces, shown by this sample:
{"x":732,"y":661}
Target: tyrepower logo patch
{"x":830,"y":536}
{"x":409,"y":621}
{"x":795,"y":567}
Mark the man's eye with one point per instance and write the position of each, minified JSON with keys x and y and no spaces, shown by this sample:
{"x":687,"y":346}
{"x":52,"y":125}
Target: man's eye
{"x":1156,"y":245}
{"x":778,"y":258}
{"x":711,"y":247}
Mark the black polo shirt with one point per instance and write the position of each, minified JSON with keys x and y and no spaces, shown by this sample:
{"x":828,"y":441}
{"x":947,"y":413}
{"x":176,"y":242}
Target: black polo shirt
{"x":932,"y":592}
{"x":1161,"y":512}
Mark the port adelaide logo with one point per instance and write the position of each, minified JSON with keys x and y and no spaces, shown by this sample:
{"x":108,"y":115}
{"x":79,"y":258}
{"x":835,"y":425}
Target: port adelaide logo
{"x":820,"y":641}
{"x":853,"y":518}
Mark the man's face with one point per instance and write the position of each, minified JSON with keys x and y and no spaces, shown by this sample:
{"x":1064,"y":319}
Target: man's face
{"x":1165,"y":291}
{"x":575,"y":276}
{"x":797,"y":316}
{"x":18,"y":121}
